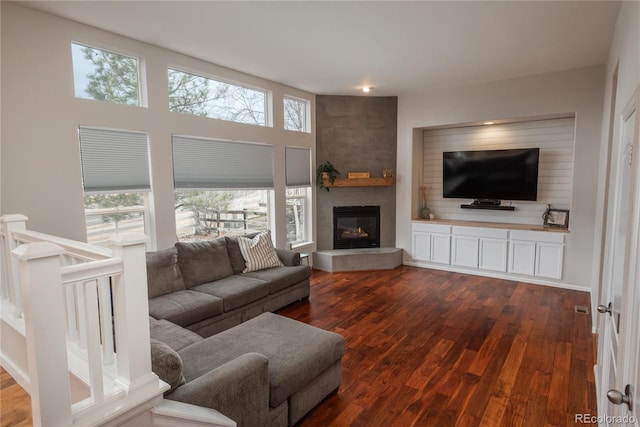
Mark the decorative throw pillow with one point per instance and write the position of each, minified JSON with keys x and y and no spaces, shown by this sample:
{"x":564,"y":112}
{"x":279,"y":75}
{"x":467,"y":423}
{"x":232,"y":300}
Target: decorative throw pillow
{"x":258,"y":253}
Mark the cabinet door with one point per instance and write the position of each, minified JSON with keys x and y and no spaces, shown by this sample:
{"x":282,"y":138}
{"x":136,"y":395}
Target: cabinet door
{"x":493,"y":255}
{"x":441,"y":248}
{"x":421,"y":246}
{"x":465,"y":251}
{"x":549,"y":260}
{"x":522,"y":256}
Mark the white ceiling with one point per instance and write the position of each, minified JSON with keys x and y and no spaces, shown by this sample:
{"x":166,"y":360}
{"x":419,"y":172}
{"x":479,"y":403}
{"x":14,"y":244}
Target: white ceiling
{"x":336,"y":47}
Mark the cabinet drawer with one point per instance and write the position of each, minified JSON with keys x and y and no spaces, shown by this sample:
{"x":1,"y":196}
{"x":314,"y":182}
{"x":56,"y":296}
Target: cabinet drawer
{"x":431,"y":228}
{"x":537,"y":236}
{"x":493,"y":233}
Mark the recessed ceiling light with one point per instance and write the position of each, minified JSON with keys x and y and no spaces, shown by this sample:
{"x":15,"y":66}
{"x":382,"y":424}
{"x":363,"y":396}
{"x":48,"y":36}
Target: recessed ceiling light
{"x":489,"y":123}
{"x":366,"y":89}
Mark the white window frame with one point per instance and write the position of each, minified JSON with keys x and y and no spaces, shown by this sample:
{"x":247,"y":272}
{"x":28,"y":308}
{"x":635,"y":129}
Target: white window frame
{"x":142,"y":81}
{"x":307,"y":113}
{"x":308,"y":216}
{"x":268,"y":98}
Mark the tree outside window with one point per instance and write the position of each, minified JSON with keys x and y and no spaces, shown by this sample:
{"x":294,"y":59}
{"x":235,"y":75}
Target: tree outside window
{"x":295,"y":114}
{"x":105,"y":76}
{"x":202,"y":96}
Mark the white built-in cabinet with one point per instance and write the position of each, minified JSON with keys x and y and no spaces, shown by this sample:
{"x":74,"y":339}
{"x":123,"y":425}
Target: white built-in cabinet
{"x":536,"y":253}
{"x":494,"y":249}
{"x":432,"y":243}
{"x":483,"y":248}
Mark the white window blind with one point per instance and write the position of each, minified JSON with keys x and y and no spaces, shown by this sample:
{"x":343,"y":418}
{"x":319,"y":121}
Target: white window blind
{"x":214,"y":164}
{"x":114,"y":160}
{"x":298,"y":166}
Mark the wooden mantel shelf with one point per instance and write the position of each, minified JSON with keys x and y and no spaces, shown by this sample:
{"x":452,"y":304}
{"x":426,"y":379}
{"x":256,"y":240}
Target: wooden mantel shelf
{"x":358,"y":182}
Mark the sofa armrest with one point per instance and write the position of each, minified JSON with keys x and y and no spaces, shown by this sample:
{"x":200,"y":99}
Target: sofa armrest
{"x":288,"y":258}
{"x":238,"y":389}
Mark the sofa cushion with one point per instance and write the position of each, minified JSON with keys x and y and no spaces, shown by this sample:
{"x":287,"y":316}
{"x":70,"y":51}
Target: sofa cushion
{"x":280,"y":278}
{"x":236,"y":290}
{"x":235,"y":255}
{"x":171,"y":334}
{"x":163,"y":273}
{"x":167,"y":364}
{"x":203,"y":262}
{"x":297,"y":352}
{"x":185,"y":307}
{"x":258,"y":253}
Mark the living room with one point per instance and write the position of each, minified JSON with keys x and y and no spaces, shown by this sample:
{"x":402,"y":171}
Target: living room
{"x":41,"y":165}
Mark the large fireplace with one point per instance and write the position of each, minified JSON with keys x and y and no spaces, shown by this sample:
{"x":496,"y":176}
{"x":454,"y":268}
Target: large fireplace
{"x":356,"y":227}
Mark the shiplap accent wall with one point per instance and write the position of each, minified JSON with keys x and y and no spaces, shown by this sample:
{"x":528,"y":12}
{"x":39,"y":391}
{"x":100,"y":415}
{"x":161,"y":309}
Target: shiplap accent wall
{"x":554,"y":137}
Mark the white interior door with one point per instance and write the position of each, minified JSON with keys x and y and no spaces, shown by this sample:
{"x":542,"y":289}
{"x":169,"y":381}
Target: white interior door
{"x":630,"y":362}
{"x":621,"y":347}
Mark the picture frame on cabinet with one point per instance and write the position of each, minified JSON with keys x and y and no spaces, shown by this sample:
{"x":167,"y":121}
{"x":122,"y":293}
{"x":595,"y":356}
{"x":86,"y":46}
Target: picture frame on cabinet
{"x":557,"y":218}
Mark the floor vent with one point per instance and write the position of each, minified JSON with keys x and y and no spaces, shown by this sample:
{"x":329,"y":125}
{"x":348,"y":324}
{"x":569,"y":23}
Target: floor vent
{"x":582,"y":309}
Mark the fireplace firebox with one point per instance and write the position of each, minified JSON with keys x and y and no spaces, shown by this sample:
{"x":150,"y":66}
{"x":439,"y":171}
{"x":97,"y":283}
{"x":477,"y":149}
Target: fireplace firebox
{"x":356,"y":227}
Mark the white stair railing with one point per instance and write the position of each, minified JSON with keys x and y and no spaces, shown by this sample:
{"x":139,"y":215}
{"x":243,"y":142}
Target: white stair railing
{"x":82,"y":314}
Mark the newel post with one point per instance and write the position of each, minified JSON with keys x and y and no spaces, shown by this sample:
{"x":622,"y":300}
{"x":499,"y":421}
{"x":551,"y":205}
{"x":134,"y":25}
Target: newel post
{"x":44,"y":317}
{"x":131,"y":312}
{"x":11,"y":288}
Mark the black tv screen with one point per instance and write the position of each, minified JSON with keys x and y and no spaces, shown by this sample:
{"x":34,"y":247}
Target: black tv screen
{"x":491,"y":174}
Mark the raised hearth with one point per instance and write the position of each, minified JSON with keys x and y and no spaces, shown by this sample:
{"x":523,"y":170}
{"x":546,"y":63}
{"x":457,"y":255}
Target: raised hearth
{"x":360,"y":259}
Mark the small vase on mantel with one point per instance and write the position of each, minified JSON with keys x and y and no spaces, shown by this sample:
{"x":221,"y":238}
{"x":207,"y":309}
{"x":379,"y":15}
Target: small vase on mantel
{"x":424,"y":212}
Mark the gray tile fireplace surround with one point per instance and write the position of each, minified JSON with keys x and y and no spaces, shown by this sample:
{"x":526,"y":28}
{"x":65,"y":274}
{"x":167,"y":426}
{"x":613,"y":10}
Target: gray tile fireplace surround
{"x":360,"y":259}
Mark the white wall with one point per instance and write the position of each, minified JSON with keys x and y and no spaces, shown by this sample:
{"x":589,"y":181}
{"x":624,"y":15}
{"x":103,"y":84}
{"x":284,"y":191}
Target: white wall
{"x":578,"y":92}
{"x":41,"y":175}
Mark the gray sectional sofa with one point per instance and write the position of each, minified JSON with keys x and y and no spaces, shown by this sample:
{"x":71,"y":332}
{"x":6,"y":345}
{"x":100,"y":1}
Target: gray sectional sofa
{"x":200,"y":286}
{"x":215,"y":341}
{"x":267,"y":372}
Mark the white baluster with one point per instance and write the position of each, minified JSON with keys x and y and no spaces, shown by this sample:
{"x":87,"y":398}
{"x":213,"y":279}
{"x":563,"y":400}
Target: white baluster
{"x":94,"y":353}
{"x":106,"y":320}
{"x":72,"y":319}
{"x":82,"y":320}
{"x":39,"y":266}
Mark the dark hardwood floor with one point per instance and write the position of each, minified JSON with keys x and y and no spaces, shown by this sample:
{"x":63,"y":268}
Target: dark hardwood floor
{"x":432,"y":348}
{"x":15,"y":404}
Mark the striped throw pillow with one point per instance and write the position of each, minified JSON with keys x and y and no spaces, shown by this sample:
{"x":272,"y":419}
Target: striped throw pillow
{"x":258,"y":253}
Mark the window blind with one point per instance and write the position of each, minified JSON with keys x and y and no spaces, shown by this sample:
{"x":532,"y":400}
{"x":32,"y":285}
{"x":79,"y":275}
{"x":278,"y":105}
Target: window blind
{"x":114,"y":160}
{"x":298,"y":166}
{"x":214,"y":164}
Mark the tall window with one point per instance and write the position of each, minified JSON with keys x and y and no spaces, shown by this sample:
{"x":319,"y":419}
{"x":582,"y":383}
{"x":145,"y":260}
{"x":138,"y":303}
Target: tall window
{"x":222,"y":187}
{"x":296,"y":113}
{"x":192,"y":94}
{"x":298,"y":180}
{"x":115,"y":173}
{"x":105,"y":76}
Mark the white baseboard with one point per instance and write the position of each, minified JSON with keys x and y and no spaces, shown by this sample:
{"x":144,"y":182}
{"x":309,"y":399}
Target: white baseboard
{"x":498,"y":275}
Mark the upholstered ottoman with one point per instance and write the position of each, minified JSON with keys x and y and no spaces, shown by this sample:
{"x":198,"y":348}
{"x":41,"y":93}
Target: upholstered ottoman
{"x":304,"y":361}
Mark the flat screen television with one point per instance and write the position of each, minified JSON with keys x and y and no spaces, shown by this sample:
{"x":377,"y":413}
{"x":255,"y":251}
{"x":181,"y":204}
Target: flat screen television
{"x":491,"y":175}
